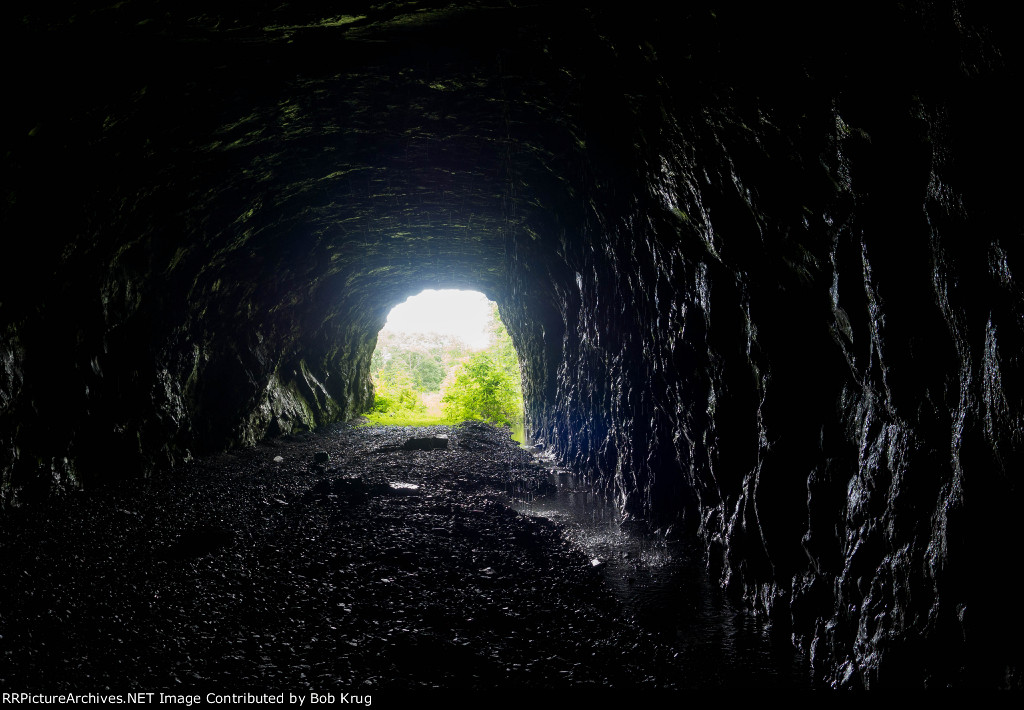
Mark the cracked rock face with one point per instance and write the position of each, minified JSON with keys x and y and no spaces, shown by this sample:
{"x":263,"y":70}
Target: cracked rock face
{"x":760,"y":269}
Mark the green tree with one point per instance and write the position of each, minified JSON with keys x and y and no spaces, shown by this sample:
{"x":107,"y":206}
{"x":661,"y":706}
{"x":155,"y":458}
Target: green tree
{"x":487,"y":385}
{"x":428,"y":374}
{"x":395,"y":393}
{"x":426,"y":358}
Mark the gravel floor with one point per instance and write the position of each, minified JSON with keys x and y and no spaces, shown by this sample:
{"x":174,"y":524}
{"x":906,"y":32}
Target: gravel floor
{"x":380,"y":569}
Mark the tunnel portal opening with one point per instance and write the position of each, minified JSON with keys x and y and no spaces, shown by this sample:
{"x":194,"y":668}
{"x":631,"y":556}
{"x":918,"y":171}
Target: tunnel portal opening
{"x":443,"y":357}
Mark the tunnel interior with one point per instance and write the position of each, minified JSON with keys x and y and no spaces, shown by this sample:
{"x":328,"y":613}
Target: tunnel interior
{"x":758,"y":265}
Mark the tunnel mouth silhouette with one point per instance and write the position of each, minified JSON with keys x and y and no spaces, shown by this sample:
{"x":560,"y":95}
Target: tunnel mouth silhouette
{"x":758,"y":265}
{"x":444,"y":356}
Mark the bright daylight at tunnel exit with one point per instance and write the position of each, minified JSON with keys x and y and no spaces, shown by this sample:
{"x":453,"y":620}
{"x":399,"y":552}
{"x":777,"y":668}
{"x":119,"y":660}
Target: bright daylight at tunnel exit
{"x":444,"y":357}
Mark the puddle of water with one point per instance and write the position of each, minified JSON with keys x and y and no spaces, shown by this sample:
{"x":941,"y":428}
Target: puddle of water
{"x":665,"y":589}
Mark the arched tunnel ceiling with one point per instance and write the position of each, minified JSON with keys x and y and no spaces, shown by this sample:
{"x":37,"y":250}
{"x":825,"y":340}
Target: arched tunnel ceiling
{"x":295,"y":173}
{"x":756,"y":261}
{"x":401,"y":146}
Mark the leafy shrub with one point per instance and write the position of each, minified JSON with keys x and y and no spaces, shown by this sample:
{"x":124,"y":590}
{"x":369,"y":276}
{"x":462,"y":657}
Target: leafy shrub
{"x":487,"y":385}
{"x":481,"y":388}
{"x":396,"y":393}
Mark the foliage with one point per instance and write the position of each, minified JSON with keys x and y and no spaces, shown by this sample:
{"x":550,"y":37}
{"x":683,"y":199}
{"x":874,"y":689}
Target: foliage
{"x":425,"y":358}
{"x":395,"y":393}
{"x":405,"y":418}
{"x":487,"y":385}
{"x":481,"y":385}
{"x":482,"y":389}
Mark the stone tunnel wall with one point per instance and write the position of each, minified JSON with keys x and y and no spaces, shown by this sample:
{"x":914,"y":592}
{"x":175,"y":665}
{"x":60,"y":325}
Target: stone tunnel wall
{"x":205,"y":240}
{"x":788,"y":324}
{"x":761,"y":278}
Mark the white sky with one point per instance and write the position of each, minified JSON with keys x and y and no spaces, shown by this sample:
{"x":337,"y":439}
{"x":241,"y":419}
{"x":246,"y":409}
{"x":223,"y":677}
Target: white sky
{"x":463,"y":314}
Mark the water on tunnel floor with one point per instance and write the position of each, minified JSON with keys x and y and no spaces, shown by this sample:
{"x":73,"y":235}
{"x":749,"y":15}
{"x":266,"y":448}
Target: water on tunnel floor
{"x":664,"y":588}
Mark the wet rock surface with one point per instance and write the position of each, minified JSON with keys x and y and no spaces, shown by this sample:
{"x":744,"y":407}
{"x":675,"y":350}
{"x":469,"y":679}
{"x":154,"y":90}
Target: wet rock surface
{"x":385,"y":569}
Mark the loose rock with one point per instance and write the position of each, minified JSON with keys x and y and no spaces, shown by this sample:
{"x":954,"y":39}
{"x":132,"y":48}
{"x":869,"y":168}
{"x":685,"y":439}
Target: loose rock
{"x":426,"y":443}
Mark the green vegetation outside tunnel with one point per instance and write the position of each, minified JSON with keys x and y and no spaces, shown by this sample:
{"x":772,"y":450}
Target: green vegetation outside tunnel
{"x":430,"y":379}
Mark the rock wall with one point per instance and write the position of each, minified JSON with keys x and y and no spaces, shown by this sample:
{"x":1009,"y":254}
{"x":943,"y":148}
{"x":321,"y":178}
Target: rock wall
{"x":787,"y":327}
{"x":758,"y":265}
